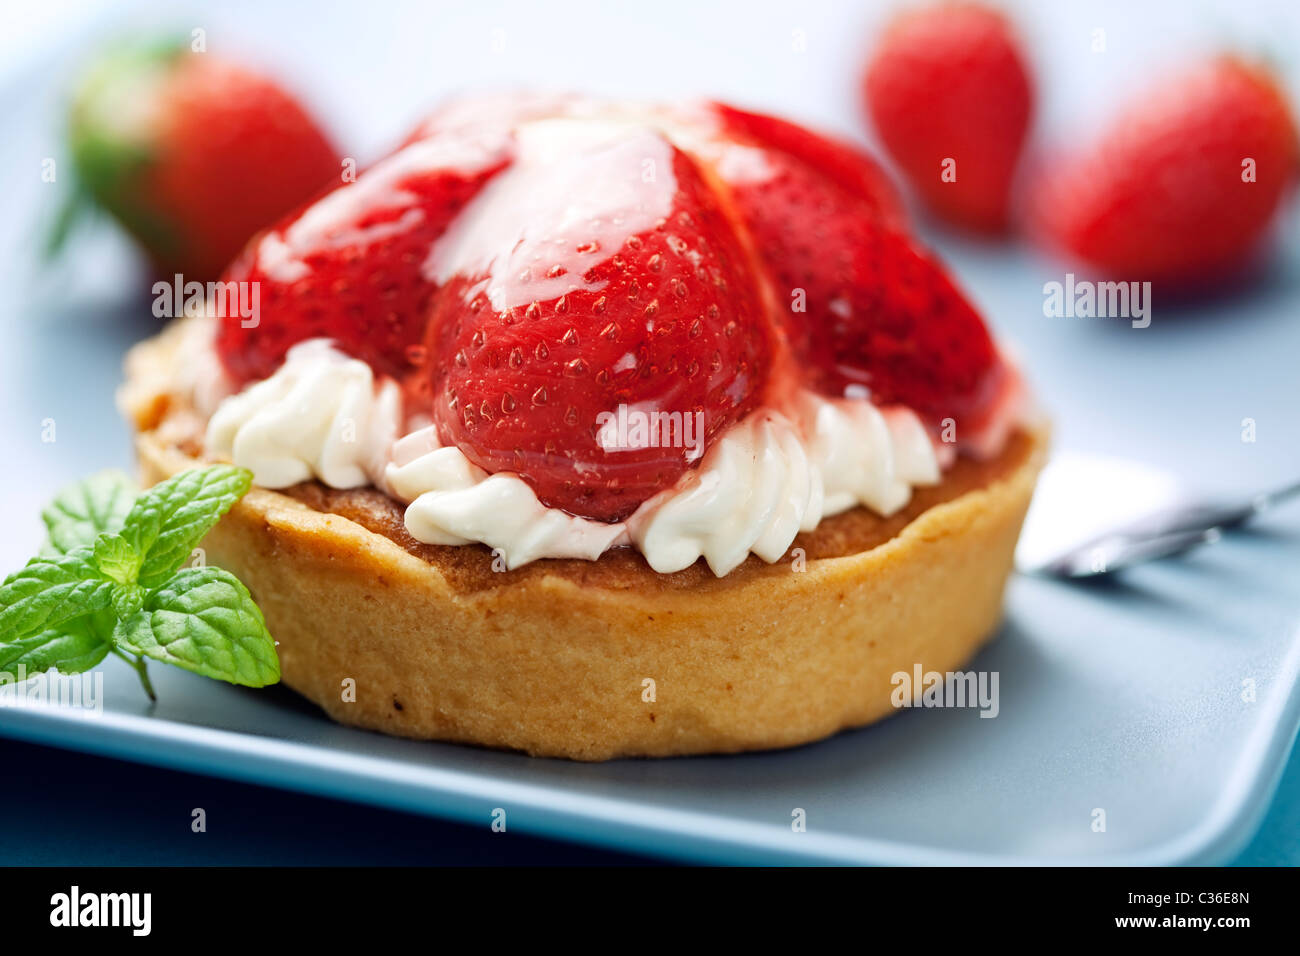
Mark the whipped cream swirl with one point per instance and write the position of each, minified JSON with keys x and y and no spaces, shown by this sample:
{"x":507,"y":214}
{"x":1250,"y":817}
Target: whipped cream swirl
{"x":321,"y":415}
{"x":775,"y":474}
{"x":770,"y":476}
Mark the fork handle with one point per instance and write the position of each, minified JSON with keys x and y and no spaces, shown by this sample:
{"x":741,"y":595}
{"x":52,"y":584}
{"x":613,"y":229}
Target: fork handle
{"x":1271,"y":499}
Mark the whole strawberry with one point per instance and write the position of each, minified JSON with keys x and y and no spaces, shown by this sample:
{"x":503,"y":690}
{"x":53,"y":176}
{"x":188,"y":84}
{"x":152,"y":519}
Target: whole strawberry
{"x":951,"y":98}
{"x":1183,"y":184}
{"x":192,"y":154}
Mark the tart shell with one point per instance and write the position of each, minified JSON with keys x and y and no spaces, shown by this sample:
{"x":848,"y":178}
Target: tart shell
{"x":595,"y":660}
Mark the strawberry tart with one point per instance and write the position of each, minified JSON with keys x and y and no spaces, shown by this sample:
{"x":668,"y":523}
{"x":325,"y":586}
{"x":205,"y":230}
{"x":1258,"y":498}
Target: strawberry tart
{"x":596,"y":430}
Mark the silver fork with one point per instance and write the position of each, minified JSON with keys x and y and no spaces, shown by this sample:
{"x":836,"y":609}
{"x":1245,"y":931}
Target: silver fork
{"x":1158,"y":535}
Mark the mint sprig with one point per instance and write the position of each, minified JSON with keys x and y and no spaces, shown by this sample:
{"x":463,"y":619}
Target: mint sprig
{"x":110,"y":580}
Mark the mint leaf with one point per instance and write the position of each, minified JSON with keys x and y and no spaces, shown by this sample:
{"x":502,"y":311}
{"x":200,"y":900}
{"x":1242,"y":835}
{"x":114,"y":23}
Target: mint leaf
{"x":50,"y":591}
{"x":171,"y":518}
{"x":82,"y":510}
{"x":74,"y":646}
{"x":116,"y":559}
{"x":205,"y":621}
{"x":127,"y":599}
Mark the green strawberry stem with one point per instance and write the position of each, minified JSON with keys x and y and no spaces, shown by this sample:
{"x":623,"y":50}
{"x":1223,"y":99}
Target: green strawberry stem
{"x":71,"y":211}
{"x":138,"y":664}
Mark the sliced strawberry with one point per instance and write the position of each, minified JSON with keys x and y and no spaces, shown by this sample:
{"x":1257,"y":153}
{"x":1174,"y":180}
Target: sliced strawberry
{"x":844,"y":164}
{"x":609,"y":279}
{"x":908,"y":334}
{"x":860,"y":302}
{"x":350,"y":267}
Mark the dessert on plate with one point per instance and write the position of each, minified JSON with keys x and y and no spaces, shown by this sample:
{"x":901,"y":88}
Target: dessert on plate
{"x":596,"y":429}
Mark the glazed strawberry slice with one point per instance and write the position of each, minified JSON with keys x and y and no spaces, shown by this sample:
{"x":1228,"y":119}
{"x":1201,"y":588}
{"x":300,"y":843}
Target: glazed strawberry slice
{"x":599,"y":324}
{"x":845,"y":165}
{"x":350,"y":266}
{"x":860,"y":302}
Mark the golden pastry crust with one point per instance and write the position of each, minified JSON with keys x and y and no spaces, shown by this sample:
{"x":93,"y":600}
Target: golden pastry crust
{"x":598,"y":659}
